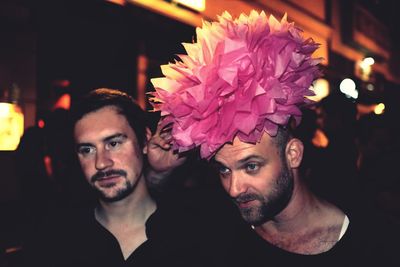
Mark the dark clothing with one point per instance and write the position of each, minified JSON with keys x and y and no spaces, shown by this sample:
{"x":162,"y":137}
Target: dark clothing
{"x":367,"y":242}
{"x":76,"y":239}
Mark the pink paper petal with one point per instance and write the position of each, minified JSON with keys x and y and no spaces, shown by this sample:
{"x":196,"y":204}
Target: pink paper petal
{"x":242,"y":77}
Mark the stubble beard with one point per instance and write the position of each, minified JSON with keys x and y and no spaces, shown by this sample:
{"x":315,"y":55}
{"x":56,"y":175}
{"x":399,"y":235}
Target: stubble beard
{"x":269,"y":205}
{"x":120,"y":193}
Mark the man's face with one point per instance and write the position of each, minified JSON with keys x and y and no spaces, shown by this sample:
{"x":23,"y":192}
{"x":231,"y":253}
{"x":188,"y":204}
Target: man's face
{"x":256,"y":178}
{"x":109,"y":153}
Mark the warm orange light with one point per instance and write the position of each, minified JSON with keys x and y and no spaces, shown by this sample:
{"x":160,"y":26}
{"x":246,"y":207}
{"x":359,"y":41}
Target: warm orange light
{"x":199,"y":5}
{"x":118,"y":2}
{"x":11,"y":126}
{"x":378,"y":109}
{"x":142,"y":65}
{"x":63,"y":102}
{"x":320,"y":139}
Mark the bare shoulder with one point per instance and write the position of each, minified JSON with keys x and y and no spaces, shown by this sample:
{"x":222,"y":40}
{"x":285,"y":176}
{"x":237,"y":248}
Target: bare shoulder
{"x":327,"y":232}
{"x":332,"y":216}
{"x":324,"y":231}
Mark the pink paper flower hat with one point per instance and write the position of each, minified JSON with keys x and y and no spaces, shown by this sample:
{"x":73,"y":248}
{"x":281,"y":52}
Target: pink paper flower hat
{"x":242,"y":77}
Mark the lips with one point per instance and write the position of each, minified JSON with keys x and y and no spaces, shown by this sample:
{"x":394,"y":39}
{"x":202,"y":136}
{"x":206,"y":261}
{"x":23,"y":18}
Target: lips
{"x":246,"y":204}
{"x":108,"y":181}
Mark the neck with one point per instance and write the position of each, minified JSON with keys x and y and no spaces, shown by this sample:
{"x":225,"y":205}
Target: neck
{"x":304,"y":211}
{"x":308,"y":225}
{"x":135,"y":208}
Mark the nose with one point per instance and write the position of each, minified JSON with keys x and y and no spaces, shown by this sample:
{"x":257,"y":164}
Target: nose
{"x":236,"y":186}
{"x":103,"y":160}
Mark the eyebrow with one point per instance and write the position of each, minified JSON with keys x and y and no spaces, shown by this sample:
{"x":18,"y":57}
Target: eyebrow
{"x":242,"y":161}
{"x":77,"y":146}
{"x":251,"y":157}
{"x":106,"y":139}
{"x":118,"y":135}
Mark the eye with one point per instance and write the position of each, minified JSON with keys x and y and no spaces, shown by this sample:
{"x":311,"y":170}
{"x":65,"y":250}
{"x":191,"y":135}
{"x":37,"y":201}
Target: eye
{"x":113,"y":144}
{"x":223,"y":171}
{"x":252,"y":167}
{"x":85,"y":150}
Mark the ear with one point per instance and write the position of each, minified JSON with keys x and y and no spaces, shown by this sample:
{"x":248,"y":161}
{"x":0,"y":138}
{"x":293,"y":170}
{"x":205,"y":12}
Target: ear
{"x":148,"y":137}
{"x":294,"y":152}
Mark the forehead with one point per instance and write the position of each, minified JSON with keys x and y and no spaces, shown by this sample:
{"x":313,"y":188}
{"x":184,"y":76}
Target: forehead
{"x":238,"y":150}
{"x":100,"y":124}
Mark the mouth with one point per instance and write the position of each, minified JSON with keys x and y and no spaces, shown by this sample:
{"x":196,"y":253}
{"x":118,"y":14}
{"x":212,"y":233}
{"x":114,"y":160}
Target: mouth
{"x":108,"y":178}
{"x":108,"y":181}
{"x":245,"y":204}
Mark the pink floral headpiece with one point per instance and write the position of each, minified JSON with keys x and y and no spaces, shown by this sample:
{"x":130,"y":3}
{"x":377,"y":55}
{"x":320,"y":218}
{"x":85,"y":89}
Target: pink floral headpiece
{"x":242,"y":77}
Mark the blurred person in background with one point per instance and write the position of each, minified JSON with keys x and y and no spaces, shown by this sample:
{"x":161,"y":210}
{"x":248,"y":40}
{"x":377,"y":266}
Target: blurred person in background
{"x":377,"y":163}
{"x":336,"y":118}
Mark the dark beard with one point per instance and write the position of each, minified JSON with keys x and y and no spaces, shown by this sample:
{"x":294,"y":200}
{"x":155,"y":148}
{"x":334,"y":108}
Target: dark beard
{"x":121,"y":193}
{"x":272,"y":205}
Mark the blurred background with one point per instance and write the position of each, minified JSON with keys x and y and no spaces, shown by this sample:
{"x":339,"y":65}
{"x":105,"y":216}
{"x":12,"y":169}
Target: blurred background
{"x":52,"y":52}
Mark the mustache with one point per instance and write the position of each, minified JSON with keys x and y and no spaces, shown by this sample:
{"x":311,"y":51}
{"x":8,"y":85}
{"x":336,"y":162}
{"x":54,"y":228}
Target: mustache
{"x":242,"y":198}
{"x":102,"y":174}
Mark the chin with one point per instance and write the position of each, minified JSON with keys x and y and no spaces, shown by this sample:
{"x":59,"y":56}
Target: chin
{"x":116,"y":195}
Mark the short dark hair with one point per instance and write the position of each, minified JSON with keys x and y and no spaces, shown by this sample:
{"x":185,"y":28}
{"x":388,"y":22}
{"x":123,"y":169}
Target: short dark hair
{"x":281,"y":139}
{"x":124,"y":103}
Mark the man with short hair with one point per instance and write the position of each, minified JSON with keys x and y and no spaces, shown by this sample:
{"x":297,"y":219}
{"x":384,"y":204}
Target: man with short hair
{"x":237,"y":96}
{"x":111,"y":137}
{"x":126,"y":227}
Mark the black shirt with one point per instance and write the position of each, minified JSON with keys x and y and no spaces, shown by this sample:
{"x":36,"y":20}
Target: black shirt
{"x":368,"y":241}
{"x":75,"y":238}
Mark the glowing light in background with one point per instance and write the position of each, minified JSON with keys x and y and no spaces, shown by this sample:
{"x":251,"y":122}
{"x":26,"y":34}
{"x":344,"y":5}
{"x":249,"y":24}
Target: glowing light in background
{"x":11,"y":126}
{"x":366,"y":67}
{"x":63,"y":101}
{"x":320,"y":88}
{"x":63,"y":83}
{"x":41,"y":124}
{"x":379,"y":109}
{"x":368,"y":61}
{"x":320,"y":139}
{"x":370,"y":87}
{"x":118,"y":2}
{"x":48,"y":165}
{"x":348,"y":87}
{"x":198,"y":5}
{"x":142,"y":66}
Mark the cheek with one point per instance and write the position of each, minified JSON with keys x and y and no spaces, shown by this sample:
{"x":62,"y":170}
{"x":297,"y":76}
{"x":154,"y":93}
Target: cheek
{"x":129,"y":159}
{"x":264,"y":187}
{"x":225,"y":183}
{"x":266,"y":181}
{"x":87,"y":167}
